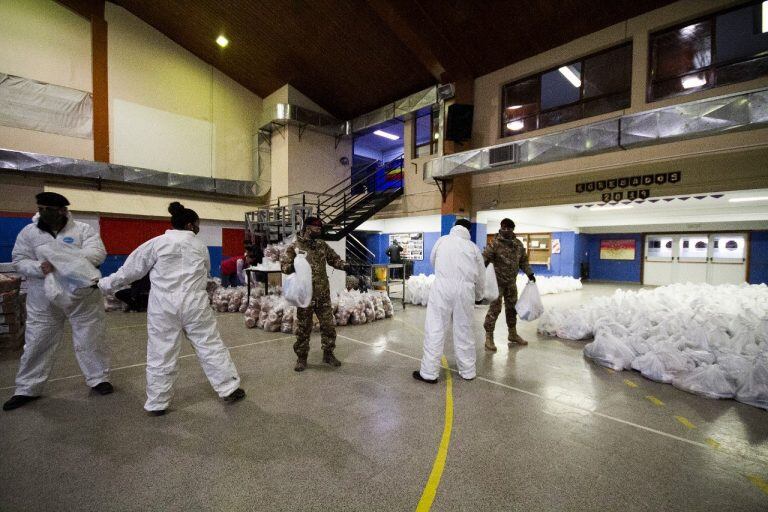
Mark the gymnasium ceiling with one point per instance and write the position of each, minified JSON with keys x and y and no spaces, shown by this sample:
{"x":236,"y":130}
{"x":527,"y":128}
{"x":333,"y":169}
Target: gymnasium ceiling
{"x":353,"y":56}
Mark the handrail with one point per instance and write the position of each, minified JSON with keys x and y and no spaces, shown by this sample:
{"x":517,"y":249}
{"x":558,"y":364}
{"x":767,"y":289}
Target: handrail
{"x":364,"y":178}
{"x":354,"y":238}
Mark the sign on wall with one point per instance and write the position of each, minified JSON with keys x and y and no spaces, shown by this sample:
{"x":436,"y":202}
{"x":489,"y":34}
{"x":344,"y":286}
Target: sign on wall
{"x":555,"y":246}
{"x":617,"y":249}
{"x":614,"y":189}
{"x":412,"y":244}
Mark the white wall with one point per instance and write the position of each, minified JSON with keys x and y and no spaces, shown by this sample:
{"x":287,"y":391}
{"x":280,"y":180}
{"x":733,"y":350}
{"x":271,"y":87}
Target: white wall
{"x":172,"y":112}
{"x":426,"y":224}
{"x":41,"y":40}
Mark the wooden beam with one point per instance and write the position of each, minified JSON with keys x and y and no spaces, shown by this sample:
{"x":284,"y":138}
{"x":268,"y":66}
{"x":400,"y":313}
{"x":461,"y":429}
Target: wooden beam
{"x":85,"y":8}
{"x":400,"y":26}
{"x":100,"y":86}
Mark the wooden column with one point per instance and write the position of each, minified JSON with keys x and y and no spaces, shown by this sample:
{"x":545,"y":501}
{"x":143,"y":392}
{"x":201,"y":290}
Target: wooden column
{"x":458,"y":200}
{"x":100,"y":88}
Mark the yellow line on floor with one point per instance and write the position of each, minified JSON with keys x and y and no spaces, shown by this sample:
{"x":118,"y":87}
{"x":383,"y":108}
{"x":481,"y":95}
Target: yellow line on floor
{"x":145,"y":364}
{"x":630,"y":383}
{"x":711,"y":442}
{"x":759,"y":482}
{"x":430,"y":490}
{"x":654,"y":400}
{"x":684,"y":421}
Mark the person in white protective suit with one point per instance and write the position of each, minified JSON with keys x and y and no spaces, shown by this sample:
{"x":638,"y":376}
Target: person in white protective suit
{"x":45,"y":320}
{"x":178,"y":264}
{"x":459,"y":283}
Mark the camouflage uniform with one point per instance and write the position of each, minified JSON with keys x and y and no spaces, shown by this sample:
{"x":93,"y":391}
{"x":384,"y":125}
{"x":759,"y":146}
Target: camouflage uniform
{"x":318,"y":254}
{"x":508,"y":257}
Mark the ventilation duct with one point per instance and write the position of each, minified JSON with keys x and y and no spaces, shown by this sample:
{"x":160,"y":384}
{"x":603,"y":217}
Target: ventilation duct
{"x":713,"y":116}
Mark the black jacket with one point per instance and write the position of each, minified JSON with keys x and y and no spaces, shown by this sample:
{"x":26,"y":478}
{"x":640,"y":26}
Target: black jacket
{"x":394,"y":253}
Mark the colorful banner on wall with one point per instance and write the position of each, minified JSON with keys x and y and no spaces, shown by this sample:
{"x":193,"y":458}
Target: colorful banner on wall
{"x":617,"y":249}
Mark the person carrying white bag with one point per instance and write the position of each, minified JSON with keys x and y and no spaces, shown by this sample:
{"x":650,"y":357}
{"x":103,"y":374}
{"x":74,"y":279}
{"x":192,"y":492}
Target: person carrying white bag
{"x":507,"y":254}
{"x":84,"y":308}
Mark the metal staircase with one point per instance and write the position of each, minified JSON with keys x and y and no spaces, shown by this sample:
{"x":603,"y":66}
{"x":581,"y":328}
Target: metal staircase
{"x":342,"y":207}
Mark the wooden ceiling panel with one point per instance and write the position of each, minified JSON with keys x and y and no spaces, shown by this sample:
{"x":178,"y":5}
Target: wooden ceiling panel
{"x":348,"y":59}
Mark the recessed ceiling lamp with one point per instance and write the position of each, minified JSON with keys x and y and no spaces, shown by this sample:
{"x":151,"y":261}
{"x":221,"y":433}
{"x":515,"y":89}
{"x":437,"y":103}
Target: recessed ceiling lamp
{"x":747,"y":199}
{"x":515,"y":107}
{"x":515,"y":126}
{"x":568,"y":73}
{"x":693,"y":81}
{"x":222,"y":41}
{"x":386,"y":135}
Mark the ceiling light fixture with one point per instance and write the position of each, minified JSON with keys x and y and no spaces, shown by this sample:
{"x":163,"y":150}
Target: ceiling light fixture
{"x":693,"y":81}
{"x":386,"y":135}
{"x":568,"y":73}
{"x":765,"y":17}
{"x":222,"y":41}
{"x":609,"y":207}
{"x":515,"y":107}
{"x":515,"y":126}
{"x":747,"y":199}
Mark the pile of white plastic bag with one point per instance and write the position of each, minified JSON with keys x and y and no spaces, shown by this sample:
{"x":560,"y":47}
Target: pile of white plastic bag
{"x":418,"y":286}
{"x":272,"y":255}
{"x":273,"y":313}
{"x":704,"y":339}
{"x":234,"y":299}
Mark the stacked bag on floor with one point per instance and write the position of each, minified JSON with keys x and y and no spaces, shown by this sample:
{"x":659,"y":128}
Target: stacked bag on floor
{"x":274,"y":313}
{"x":707,"y":340}
{"x":12,"y":313}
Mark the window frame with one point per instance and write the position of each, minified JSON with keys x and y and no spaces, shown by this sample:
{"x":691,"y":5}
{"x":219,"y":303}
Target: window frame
{"x":709,"y":71}
{"x":581,"y":101}
{"x":433,"y":117}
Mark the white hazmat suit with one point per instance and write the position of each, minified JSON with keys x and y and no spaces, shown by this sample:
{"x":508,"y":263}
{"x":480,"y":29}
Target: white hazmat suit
{"x":178,"y":264}
{"x":459,"y":282}
{"x":45,"y":320}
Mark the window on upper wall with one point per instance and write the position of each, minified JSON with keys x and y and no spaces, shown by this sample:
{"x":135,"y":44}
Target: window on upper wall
{"x":723,"y":48}
{"x":425,"y":130}
{"x":594,"y":85}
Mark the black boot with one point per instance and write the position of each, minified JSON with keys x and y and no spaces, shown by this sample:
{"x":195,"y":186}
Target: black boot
{"x":329,"y":358}
{"x":301,"y":364}
{"x":234,"y":396}
{"x":17,"y":401}
{"x":417,"y":376}
{"x":103,"y":388}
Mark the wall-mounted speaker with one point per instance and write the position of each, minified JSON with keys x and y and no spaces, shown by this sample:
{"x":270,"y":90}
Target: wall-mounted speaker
{"x":458,"y":124}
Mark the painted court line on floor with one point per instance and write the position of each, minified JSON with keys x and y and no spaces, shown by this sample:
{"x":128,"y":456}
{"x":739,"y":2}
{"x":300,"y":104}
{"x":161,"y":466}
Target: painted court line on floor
{"x":430,"y":490}
{"x":530,"y":393}
{"x":145,"y":364}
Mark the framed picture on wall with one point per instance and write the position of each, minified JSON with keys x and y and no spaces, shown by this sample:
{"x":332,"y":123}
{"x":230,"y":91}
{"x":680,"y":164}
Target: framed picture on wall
{"x":412,"y":244}
{"x":617,"y":249}
{"x":555,"y":246}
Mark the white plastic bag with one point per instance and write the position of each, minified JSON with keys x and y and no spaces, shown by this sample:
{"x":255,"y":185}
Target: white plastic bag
{"x":72,"y":277}
{"x":491,"y":285}
{"x":72,"y":270}
{"x":297,"y":287}
{"x":609,"y":351}
{"x":529,"y":306}
{"x":708,"y":380}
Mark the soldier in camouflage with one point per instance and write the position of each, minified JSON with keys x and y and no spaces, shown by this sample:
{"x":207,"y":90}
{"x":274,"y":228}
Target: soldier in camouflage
{"x":508,"y":256}
{"x":318,"y":254}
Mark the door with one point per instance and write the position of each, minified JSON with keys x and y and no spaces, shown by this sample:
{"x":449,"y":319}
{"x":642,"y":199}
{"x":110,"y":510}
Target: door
{"x":728,"y":259}
{"x":658,"y":266}
{"x":692,"y":259}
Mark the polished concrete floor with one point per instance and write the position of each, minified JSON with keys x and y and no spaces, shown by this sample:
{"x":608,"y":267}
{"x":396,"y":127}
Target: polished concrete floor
{"x":541,"y":428}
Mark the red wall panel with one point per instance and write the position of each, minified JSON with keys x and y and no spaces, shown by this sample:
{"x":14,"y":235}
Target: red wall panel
{"x":122,"y":236}
{"x":232,"y":242}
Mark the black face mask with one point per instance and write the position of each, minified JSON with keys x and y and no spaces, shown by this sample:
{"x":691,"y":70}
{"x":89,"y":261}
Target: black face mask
{"x":506,"y":234}
{"x":52,"y":218}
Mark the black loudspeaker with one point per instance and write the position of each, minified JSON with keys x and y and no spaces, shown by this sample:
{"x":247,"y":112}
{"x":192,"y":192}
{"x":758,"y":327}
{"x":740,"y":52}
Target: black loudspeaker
{"x":458,"y":125}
